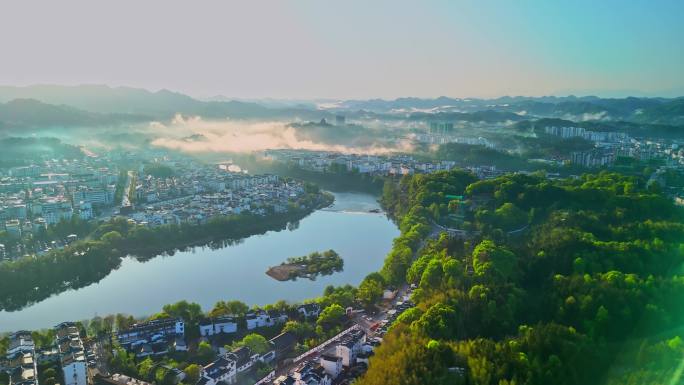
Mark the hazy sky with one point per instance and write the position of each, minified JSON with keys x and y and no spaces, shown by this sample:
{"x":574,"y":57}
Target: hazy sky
{"x":350,"y":48}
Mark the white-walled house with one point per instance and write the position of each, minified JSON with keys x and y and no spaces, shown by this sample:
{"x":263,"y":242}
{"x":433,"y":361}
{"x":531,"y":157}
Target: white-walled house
{"x":262,"y":319}
{"x":257,"y":320}
{"x":331,"y":364}
{"x":349,"y":347}
{"x":309,"y":310}
{"x":218,"y":325}
{"x":151,"y":330}
{"x":277,"y":317}
{"x":312,"y":374}
{"x":221,"y":370}
{"x":243,"y":357}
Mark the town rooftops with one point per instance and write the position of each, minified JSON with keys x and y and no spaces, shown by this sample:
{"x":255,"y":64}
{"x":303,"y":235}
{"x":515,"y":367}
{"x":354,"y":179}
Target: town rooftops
{"x":70,"y":358}
{"x":218,"y":368}
{"x":66,"y":330}
{"x":218,"y":320}
{"x":21,"y":339}
{"x":164,"y":326}
{"x":240,"y":355}
{"x":330,"y":357}
{"x":283,"y":341}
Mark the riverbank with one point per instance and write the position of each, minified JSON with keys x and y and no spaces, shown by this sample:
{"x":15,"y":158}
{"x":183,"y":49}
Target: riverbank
{"x":30,"y":280}
{"x":230,"y":270}
{"x":222,"y":231}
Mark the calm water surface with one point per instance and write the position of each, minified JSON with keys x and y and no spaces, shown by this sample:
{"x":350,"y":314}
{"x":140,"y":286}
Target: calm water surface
{"x":237,"y":272}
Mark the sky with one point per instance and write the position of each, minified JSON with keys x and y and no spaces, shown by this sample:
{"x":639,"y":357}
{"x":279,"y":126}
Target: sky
{"x":349,"y":49}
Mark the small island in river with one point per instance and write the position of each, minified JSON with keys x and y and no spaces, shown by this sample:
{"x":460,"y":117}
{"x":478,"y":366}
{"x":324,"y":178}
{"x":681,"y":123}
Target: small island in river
{"x":308,"y":266}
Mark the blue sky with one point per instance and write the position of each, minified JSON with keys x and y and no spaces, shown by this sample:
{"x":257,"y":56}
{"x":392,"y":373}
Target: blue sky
{"x":349,"y":49}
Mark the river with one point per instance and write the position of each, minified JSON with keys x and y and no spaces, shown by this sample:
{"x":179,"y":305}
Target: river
{"x":235,"y":272}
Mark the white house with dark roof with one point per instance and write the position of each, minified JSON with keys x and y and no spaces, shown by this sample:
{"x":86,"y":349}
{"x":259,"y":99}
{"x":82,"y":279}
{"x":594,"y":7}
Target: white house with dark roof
{"x":20,"y":341}
{"x":72,"y":354}
{"x":243,"y":357}
{"x":311,"y":374}
{"x":218,"y":325}
{"x":349,"y":347}
{"x":332,"y":365}
{"x":278,"y":317}
{"x":151,"y":331}
{"x":221,"y":370}
{"x":309,"y":310}
{"x":261,"y":318}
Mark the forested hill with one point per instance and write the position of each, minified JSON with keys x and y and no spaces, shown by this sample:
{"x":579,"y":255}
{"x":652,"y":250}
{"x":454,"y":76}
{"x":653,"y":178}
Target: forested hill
{"x":571,"y":281}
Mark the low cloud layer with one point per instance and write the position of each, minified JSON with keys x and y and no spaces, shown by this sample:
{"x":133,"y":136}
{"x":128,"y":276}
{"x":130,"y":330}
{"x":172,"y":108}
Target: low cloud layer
{"x":195,"y":135}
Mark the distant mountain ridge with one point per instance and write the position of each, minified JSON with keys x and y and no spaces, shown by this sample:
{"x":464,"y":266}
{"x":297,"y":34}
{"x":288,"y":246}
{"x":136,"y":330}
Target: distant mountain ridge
{"x":104,"y":99}
{"x":585,"y":108}
{"x":164,"y":104}
{"x":31,"y":113}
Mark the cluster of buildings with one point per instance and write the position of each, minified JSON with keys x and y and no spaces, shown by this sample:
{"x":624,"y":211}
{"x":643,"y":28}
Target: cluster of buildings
{"x":56,"y":189}
{"x":22,"y":359}
{"x":35,"y":196}
{"x":322,"y":161}
{"x":157,"y":337}
{"x":335,"y":360}
{"x":395,"y":165}
{"x":431,"y":138}
{"x":610,"y":145}
{"x":72,"y":354}
{"x":441,"y":132}
{"x":229,"y":324}
{"x":341,"y":356}
{"x":567,"y":132}
{"x":21,"y":363}
{"x":593,"y":158}
{"x":199,"y":193}
{"x":153,"y":338}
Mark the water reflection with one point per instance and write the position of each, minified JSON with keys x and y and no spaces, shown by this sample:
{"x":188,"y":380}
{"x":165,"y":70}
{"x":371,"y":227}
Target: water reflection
{"x":227,"y":269}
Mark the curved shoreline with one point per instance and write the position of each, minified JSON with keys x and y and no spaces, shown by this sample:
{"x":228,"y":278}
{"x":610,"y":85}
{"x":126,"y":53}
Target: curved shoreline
{"x":212,"y":273}
{"x":13,"y":298}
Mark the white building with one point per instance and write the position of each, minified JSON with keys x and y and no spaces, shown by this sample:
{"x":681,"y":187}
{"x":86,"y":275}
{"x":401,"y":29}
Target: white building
{"x":262,"y":319}
{"x":309,"y":310}
{"x":331,"y":364}
{"x":221,"y":370}
{"x":152,"y":330}
{"x":349,"y":347}
{"x":72,"y":354}
{"x":243,"y":357}
{"x":218,"y":325}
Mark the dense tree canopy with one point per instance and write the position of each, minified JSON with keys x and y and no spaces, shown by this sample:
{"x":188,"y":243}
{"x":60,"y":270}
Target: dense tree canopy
{"x":567,"y":281}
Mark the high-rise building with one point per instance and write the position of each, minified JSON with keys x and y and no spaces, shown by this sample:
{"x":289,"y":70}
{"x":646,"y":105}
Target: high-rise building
{"x":441,"y":128}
